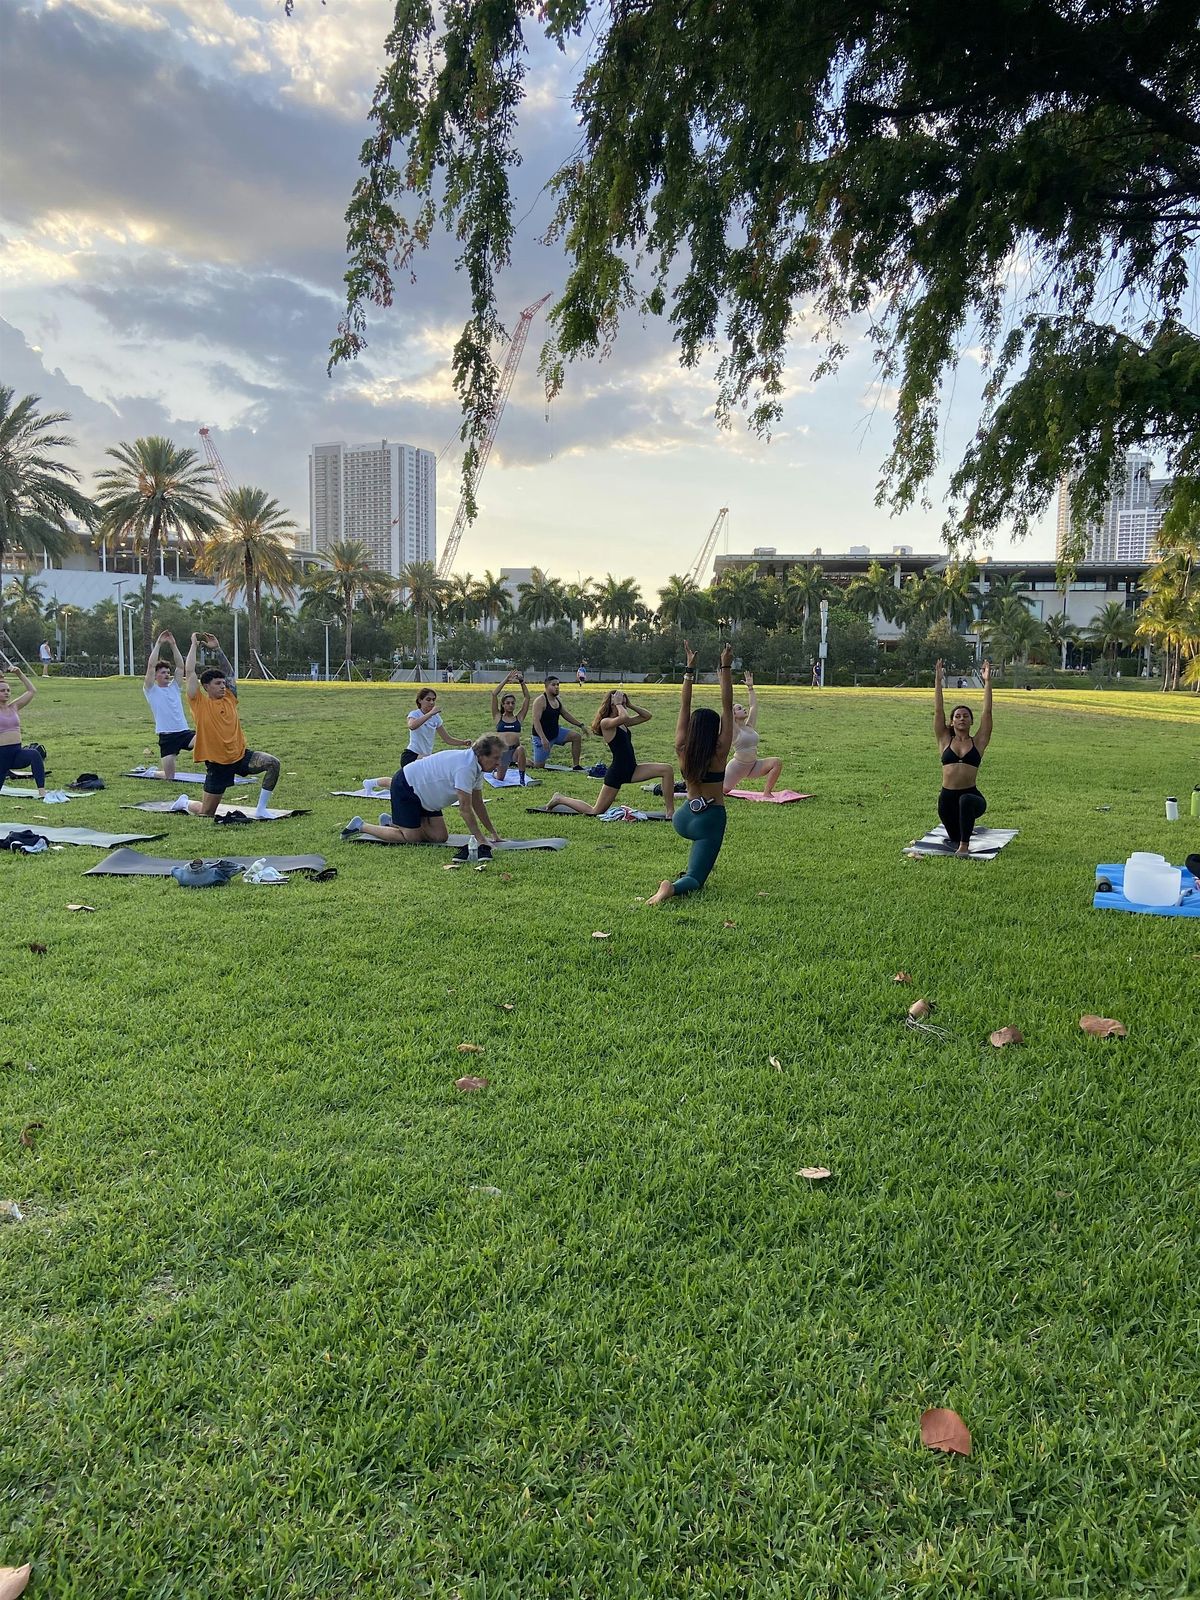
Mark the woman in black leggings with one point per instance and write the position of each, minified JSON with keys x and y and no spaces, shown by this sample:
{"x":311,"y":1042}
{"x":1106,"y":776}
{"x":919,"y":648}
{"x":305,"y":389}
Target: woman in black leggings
{"x":612,"y":722}
{"x":960,"y":804}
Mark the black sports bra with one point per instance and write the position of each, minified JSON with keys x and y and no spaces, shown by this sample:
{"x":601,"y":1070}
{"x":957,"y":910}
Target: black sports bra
{"x":504,"y":726}
{"x":950,"y":756}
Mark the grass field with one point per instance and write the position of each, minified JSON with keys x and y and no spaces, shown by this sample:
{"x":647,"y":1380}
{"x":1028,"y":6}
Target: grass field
{"x":269,"y":1332}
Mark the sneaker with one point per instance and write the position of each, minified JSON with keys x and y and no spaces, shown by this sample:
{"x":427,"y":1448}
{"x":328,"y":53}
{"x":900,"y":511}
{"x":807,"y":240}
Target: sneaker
{"x":578,"y":769}
{"x":385,"y":819}
{"x":485,"y":852}
{"x":181,"y":804}
{"x":355,"y":825}
{"x":463,"y":853}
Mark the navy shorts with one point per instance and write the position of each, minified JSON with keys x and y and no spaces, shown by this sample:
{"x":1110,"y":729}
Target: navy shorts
{"x":170,"y":744}
{"x":407,"y":810}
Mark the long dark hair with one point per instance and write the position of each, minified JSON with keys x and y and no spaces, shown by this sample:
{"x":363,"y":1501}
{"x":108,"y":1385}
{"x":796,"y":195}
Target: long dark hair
{"x":607,"y":709}
{"x":703,"y":731}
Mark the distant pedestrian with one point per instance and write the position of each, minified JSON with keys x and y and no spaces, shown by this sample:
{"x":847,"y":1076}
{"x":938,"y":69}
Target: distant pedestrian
{"x":45,"y":656}
{"x":581,"y":674}
{"x":314,"y":671}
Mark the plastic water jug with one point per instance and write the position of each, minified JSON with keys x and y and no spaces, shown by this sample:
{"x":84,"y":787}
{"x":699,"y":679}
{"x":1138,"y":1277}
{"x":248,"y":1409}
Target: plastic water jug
{"x":1150,"y":880}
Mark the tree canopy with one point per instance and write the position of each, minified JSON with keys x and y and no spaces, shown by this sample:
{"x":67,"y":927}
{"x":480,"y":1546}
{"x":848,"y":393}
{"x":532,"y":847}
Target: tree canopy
{"x":1020,"y":179}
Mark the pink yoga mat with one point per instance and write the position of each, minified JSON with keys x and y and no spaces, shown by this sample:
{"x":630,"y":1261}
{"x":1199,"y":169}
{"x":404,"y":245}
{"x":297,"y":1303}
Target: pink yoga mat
{"x":781,"y":797}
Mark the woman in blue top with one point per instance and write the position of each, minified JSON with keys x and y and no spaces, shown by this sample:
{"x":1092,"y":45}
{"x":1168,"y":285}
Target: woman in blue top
{"x":508,"y":722}
{"x":612,"y":722}
{"x":960,"y":804}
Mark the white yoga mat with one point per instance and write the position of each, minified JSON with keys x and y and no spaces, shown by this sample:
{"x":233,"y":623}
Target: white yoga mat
{"x":32,"y":794}
{"x":180,"y":777}
{"x":986,"y":843}
{"x":510,"y":780}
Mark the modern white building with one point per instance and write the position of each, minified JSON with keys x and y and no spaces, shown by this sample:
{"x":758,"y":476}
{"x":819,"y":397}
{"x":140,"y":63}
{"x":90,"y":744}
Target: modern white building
{"x":383,"y":496}
{"x":1131,"y":519}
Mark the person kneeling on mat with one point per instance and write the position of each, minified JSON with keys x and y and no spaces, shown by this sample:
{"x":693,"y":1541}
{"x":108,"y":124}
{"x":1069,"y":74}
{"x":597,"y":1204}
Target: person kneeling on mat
{"x":422,"y":790}
{"x":960,"y":804}
{"x":220,"y":742}
{"x":702,"y":742}
{"x":161,"y":688}
{"x":612,"y":722}
{"x":14,"y":756}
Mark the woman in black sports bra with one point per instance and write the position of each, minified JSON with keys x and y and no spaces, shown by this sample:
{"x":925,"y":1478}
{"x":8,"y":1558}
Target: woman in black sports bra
{"x":702,"y":740}
{"x":612,"y":722}
{"x":960,"y":804}
{"x":508,"y":722}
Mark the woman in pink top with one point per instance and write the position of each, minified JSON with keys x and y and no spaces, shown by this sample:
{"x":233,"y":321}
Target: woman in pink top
{"x":15,"y":757}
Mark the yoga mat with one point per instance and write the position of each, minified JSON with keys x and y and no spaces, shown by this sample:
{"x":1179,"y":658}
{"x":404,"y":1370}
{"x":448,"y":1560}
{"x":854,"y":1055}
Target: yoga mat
{"x":180,"y":777}
{"x":363,"y":794}
{"x":1116,"y":901}
{"x":133,"y":864}
{"x":165,"y":806}
{"x":457,"y":840}
{"x":986,"y":843}
{"x":32,"y":794}
{"x":781,"y":797}
{"x":565,"y":811}
{"x":510,"y":780}
{"x":106,"y":841}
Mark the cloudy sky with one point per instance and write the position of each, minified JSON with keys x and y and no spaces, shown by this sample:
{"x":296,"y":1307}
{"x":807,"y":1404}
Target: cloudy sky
{"x":173,"y":182}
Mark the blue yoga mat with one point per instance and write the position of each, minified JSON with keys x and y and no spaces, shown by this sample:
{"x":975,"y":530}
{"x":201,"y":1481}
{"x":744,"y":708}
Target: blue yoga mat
{"x":1116,"y":901}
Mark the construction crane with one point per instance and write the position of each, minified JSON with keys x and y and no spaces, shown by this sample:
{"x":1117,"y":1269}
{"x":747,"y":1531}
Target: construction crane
{"x":213,"y":457}
{"x":709,"y":545}
{"x":511,"y":362}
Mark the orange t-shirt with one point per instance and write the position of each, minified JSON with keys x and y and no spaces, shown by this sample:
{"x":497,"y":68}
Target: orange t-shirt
{"x":219,"y":735}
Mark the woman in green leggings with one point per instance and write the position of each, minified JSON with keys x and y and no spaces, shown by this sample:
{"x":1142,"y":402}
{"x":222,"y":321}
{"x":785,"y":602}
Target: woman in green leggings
{"x":702,"y":744}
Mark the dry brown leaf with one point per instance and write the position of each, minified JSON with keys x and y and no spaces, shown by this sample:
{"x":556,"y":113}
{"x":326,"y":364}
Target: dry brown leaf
{"x":1103,"y":1027}
{"x":38,"y":949}
{"x":1003,"y":1036}
{"x":815,"y":1174}
{"x":776,"y":1063}
{"x":14,"y":1580}
{"x":602,"y":936}
{"x":470,"y":1049}
{"x":28,"y":1132}
{"x":945,"y":1430}
{"x":507,"y":1005}
{"x":75,"y":906}
{"x":729,"y":924}
{"x":506,"y":877}
{"x":902,"y":977}
{"x":919,"y":1008}
{"x":470,"y":1085}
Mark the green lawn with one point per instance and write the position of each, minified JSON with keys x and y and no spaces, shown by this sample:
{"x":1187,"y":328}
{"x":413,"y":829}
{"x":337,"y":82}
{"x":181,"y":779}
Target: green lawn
{"x":269,"y":1333}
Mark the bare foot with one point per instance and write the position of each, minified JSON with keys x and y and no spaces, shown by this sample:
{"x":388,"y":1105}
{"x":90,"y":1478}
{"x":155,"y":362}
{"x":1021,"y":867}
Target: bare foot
{"x":963,"y":850}
{"x":666,"y":891}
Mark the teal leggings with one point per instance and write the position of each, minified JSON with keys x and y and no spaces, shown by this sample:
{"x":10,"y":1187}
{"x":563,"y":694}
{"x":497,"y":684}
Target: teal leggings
{"x":705,"y":829}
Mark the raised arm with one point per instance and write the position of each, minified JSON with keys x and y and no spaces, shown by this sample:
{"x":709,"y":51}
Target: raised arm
{"x":984,"y":736}
{"x":524,"y":711}
{"x":496,"y":699}
{"x":725,"y":679}
{"x":152,"y":662}
{"x":751,"y":700}
{"x":30,"y":691}
{"x":635,"y":714}
{"x":189,"y":668}
{"x":940,"y":731}
{"x":179,"y":673}
{"x":685,"y":698}
{"x":210,"y":639}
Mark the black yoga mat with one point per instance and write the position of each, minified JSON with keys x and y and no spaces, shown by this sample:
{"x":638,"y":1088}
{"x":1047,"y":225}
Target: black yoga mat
{"x":133,"y":864}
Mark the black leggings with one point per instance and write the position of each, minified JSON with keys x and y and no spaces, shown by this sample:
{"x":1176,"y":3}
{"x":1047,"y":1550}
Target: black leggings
{"x":960,"y":810}
{"x":15,"y":758}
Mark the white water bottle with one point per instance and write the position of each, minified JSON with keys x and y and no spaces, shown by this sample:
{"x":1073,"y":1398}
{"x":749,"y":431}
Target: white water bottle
{"x":1172,"y":808}
{"x":472,"y":849}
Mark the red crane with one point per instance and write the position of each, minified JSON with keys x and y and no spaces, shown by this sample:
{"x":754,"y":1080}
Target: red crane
{"x":511,"y":362}
{"x":213,"y":457}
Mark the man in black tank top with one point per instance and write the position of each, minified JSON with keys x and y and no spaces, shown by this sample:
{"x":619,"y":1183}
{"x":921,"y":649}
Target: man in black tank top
{"x":548,"y":715}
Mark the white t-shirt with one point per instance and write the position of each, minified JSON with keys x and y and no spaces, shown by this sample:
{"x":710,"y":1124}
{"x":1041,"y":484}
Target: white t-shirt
{"x":167,"y":708}
{"x":421,"y":739}
{"x":436,"y":780}
{"x":45,"y":652}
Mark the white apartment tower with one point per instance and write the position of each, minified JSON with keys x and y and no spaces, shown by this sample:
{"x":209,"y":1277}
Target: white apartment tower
{"x":382,"y":495}
{"x":1132,"y":516}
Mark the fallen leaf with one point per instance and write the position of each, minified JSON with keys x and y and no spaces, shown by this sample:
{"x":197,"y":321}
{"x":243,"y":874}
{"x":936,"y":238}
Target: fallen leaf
{"x":27,"y":1133}
{"x":450,"y":866}
{"x":506,"y":877}
{"x":488,"y":1189}
{"x":1063,"y":1194}
{"x":470,"y":1049}
{"x":507,"y":1005}
{"x":77,"y":907}
{"x":482,"y":867}
{"x":902,"y":977}
{"x":13,"y":1581}
{"x":776,"y":1063}
{"x":945,"y":1430}
{"x":1103,"y":1027}
{"x":470,"y":1085}
{"x":1003,"y":1036}
{"x":602,"y":936}
{"x":919,"y":1008}
{"x":729,"y":924}
{"x":38,"y":949}
{"x":815,"y":1174}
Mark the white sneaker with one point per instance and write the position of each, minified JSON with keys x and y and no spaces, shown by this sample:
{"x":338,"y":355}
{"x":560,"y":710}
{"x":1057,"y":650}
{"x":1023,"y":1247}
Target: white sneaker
{"x":55,"y":797}
{"x":181,"y":804}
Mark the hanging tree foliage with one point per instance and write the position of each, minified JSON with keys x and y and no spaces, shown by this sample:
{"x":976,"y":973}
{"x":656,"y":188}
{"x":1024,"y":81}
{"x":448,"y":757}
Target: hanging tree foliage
{"x":1021,"y":177}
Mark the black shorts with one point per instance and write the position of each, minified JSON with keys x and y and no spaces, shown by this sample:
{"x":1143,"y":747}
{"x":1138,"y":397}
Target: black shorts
{"x":407,"y":810}
{"x":408,"y":758}
{"x":219,"y":775}
{"x":170,"y":744}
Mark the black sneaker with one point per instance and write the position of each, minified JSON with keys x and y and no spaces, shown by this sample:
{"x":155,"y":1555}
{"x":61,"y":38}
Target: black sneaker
{"x":485,"y":852}
{"x":463,"y":853}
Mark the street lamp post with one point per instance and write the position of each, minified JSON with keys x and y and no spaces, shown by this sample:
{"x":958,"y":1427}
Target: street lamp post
{"x":121,"y":582}
{"x":824,"y":652}
{"x":327,"y":626}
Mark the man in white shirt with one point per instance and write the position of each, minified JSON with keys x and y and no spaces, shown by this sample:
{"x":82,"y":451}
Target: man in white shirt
{"x":422,"y":790}
{"x":161,"y":688}
{"x":45,"y":656}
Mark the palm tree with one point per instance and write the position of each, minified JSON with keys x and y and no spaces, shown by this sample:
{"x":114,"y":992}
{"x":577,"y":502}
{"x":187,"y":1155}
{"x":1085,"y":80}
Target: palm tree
{"x":618,"y":600}
{"x":349,"y":578}
{"x":461,"y":602}
{"x":1111,"y":629}
{"x":1013,"y":633}
{"x":919,"y":600}
{"x":1002,"y":589}
{"x":806,"y":587}
{"x":1062,"y":634}
{"x":26,"y":594}
{"x":874,"y":591}
{"x":681,"y":604}
{"x":37,"y":491}
{"x":492,"y":600}
{"x":736,"y":597}
{"x":958,"y":594}
{"x":541,"y":597}
{"x":579,"y":603}
{"x":246,"y":552}
{"x":155,"y":490}
{"x":426,"y":595}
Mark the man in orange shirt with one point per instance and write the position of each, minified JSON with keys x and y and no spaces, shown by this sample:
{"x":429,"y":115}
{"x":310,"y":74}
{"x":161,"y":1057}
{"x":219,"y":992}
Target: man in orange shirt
{"x":220,"y":743}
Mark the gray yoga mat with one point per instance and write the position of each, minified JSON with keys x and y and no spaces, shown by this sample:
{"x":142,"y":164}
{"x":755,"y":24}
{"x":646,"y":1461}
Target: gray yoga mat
{"x":32,"y":794}
{"x":166,"y":806}
{"x":105,"y":841}
{"x":457,"y":840}
{"x":133,"y":864}
{"x":986,"y":843}
{"x":180,"y":777}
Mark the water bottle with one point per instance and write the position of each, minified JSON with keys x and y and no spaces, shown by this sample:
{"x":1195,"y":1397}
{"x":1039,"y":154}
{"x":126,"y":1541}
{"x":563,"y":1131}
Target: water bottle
{"x":1196,"y":801}
{"x":472,"y":849}
{"x":1172,"y":808}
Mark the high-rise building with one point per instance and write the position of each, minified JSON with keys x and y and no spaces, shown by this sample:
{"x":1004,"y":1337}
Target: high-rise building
{"x":383,"y":496}
{"x":1132,"y":516}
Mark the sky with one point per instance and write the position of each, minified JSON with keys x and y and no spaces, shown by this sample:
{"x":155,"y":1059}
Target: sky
{"x":173,"y":181}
